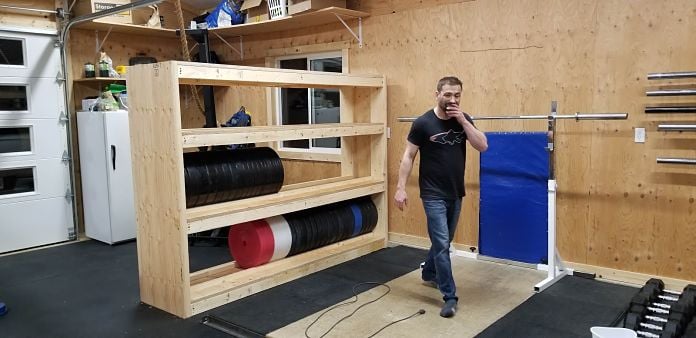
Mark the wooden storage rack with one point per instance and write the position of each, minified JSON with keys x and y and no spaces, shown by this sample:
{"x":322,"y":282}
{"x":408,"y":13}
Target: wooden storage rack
{"x":164,"y":222}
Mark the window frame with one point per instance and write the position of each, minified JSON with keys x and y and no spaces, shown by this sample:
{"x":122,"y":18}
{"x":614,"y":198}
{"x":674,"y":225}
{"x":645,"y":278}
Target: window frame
{"x":34,"y":176}
{"x":278,"y":102}
{"x":27,"y":90}
{"x":24,"y":51}
{"x":32,"y":143}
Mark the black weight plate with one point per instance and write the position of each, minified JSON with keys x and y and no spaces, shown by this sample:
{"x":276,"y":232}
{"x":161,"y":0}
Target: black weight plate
{"x":269,"y":177}
{"x":374,"y":215}
{"x":316,"y":222}
{"x":304,"y":239}
{"x":293,"y":223}
{"x":347,"y":224}
{"x":215,"y":177}
{"x":320,"y":221}
{"x":365,"y":212}
{"x":245,"y":181}
{"x":302,"y":233}
{"x":188,"y":186}
{"x":369,"y":214}
{"x":226,"y":185}
{"x":195,"y":171}
{"x":258,"y":173}
{"x":208,"y":185}
{"x":345,"y":220}
{"x":233,"y":181}
{"x":312,"y":230}
{"x":336,"y":224}
{"x":328,"y":222}
{"x":254,"y":176}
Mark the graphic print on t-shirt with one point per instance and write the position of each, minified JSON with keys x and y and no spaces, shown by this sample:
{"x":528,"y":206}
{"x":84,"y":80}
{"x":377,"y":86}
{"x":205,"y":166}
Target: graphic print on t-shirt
{"x":449,"y":137}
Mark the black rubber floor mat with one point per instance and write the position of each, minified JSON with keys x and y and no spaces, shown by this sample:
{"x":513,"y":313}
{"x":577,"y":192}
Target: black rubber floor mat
{"x":567,"y":309}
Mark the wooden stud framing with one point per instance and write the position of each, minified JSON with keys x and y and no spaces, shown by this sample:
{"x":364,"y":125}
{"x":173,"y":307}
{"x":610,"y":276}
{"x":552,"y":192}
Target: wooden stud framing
{"x":164,"y":223}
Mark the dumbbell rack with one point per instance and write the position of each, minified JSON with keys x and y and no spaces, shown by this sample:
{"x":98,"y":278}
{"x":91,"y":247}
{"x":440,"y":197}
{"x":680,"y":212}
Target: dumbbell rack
{"x":658,"y":313}
{"x":164,"y":222}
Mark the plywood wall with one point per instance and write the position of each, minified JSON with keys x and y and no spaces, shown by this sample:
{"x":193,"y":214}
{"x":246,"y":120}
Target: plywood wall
{"x":617,"y":208}
{"x":26,"y":19}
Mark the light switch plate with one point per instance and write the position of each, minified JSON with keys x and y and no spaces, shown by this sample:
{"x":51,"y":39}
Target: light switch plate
{"x":640,"y":135}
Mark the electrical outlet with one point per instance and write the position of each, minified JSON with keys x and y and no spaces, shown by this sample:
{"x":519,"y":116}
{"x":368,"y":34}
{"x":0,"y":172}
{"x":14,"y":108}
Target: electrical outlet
{"x":640,"y":135}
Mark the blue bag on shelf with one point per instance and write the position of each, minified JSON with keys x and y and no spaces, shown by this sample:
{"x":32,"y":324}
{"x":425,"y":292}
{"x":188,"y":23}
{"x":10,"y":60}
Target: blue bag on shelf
{"x":226,"y":13}
{"x":239,"y":119}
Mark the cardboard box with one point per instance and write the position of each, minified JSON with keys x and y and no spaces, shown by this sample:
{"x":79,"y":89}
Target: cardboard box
{"x":301,"y":6}
{"x":256,"y":10}
{"x":84,"y":7}
{"x":167,"y":13}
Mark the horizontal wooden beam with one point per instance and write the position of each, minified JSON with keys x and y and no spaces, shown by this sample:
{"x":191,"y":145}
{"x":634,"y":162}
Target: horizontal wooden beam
{"x":220,"y":136}
{"x":229,"y":75}
{"x":222,"y":290}
{"x":223,"y":214}
{"x":298,"y":21}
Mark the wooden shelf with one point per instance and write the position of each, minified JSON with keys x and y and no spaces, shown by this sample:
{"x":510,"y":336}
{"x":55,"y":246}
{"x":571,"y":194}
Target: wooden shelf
{"x":128,"y":29}
{"x":230,"y":75}
{"x":316,"y":18}
{"x":223,"y":214}
{"x":241,"y":283}
{"x":220,"y":136}
{"x":100,"y":79}
{"x":164,"y":222}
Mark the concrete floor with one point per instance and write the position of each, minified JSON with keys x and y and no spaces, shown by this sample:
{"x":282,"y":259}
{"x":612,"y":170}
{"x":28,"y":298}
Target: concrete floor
{"x":486,"y":290}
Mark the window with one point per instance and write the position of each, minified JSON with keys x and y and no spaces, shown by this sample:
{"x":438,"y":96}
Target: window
{"x":16,"y":181}
{"x":11,"y":52}
{"x":14,"y":140}
{"x":13,"y":98}
{"x":310,"y":106}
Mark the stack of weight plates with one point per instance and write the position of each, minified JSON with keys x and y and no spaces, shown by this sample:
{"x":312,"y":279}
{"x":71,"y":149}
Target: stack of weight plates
{"x":219,"y":176}
{"x":261,"y":241}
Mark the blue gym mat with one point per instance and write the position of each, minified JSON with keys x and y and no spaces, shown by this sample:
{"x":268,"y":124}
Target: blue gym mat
{"x":513,"y":216}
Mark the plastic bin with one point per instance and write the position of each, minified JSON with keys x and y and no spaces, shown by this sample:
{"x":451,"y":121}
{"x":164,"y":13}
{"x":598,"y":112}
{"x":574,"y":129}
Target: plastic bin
{"x":277,"y":9}
{"x":612,"y":332}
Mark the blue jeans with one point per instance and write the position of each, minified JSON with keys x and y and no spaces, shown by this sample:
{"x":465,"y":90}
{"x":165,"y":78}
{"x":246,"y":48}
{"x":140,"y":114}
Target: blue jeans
{"x":442,"y":216}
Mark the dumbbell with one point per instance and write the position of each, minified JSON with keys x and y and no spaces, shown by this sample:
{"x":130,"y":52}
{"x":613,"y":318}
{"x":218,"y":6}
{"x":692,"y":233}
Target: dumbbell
{"x":679,"y":314}
{"x":667,"y":328}
{"x":646,"y":297}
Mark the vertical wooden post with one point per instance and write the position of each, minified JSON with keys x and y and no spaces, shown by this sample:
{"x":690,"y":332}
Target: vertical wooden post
{"x":348,"y":144}
{"x":158,"y":176}
{"x":378,"y":155}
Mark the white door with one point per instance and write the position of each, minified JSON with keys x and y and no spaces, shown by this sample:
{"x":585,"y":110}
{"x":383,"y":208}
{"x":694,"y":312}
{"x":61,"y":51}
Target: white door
{"x":120,"y":176}
{"x":35,"y":202}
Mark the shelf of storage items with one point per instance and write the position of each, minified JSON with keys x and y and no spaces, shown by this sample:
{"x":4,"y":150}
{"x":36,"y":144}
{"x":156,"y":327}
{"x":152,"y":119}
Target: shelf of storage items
{"x":100,"y":79}
{"x":164,"y":222}
{"x":316,"y":18}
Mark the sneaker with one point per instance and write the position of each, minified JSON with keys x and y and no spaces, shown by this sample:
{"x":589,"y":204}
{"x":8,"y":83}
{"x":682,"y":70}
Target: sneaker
{"x":449,"y":309}
{"x":428,"y":282}
{"x":431,"y":283}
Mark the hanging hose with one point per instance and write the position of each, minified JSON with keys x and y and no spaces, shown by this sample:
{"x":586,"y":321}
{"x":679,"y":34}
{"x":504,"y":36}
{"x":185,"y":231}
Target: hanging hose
{"x":186,"y":53}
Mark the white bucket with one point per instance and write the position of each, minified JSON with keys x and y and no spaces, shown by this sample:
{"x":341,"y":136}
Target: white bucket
{"x":612,"y":332}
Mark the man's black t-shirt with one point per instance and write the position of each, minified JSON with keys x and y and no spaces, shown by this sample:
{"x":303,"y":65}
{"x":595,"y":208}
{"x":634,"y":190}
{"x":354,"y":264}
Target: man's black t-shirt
{"x":442,"y":145}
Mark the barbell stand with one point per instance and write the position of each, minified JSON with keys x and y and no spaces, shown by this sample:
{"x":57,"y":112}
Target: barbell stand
{"x":555,"y":267}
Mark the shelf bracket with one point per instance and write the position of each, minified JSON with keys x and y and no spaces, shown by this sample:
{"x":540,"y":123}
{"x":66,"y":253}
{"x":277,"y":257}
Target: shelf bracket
{"x":350,"y":30}
{"x":239,"y":51}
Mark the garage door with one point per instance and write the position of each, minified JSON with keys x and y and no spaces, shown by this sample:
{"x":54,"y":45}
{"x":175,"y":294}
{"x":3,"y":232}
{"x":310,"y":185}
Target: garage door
{"x":35,"y":202}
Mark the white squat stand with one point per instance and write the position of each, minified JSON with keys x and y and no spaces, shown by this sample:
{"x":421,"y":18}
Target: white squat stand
{"x":556,"y":269}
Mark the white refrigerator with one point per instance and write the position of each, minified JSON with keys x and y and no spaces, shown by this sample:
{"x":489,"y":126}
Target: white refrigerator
{"x":107,"y":179}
